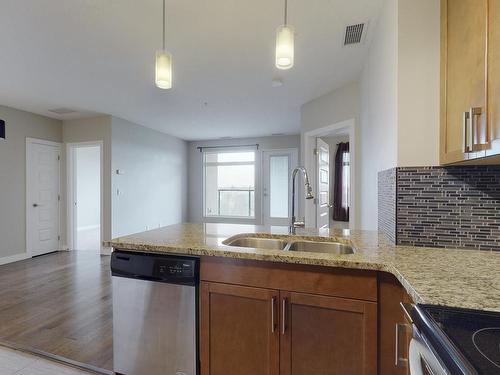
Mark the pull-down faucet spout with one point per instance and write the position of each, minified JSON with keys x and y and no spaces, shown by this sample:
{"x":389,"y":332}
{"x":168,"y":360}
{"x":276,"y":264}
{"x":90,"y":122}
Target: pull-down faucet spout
{"x":308,"y":195}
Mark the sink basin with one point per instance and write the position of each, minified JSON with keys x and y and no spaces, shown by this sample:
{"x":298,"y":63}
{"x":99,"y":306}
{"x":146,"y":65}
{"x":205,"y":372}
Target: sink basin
{"x":260,"y":243}
{"x":289,"y":244}
{"x":321,"y":247}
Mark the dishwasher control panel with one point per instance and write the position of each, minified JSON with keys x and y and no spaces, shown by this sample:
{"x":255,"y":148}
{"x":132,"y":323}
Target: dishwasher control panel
{"x":155,"y":267}
{"x":175,"y":268}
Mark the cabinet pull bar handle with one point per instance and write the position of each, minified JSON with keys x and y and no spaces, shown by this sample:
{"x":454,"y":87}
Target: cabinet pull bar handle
{"x":396,"y":347}
{"x":399,"y":361}
{"x":465,"y":146}
{"x":471,"y":131}
{"x":283,"y":322}
{"x":474,"y":112}
{"x":273,"y":326}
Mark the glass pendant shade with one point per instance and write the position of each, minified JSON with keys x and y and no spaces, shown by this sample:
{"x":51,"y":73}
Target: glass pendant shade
{"x":284,"y":47}
{"x":163,"y":71}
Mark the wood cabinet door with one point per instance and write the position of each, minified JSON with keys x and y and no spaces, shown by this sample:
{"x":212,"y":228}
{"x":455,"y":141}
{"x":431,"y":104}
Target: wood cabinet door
{"x":392,"y":352}
{"x":239,"y":330}
{"x":494,"y":76}
{"x":463,"y":75}
{"x":327,"y":335}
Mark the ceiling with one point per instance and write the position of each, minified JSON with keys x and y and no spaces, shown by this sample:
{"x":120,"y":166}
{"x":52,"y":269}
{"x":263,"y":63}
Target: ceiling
{"x":97,"y":56}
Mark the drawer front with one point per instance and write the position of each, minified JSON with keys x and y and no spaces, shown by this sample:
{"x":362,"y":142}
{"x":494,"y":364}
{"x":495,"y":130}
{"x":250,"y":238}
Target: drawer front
{"x":338,"y":282}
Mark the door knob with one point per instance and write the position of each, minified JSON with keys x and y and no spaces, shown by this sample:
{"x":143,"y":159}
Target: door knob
{"x":35,"y":205}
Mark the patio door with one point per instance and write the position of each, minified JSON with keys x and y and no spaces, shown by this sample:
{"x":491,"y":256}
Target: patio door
{"x":276,"y":192}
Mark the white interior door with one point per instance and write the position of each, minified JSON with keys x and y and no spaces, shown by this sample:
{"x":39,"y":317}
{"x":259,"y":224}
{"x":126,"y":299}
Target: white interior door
{"x":43,"y":189}
{"x":323,"y":191}
{"x":276,"y":192}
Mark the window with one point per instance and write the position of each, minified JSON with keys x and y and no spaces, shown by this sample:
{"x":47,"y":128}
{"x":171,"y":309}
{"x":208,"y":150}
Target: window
{"x":229,"y":186}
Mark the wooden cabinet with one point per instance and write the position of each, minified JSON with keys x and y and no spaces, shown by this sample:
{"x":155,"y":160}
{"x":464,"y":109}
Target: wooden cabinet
{"x":392,"y":351}
{"x":463,"y":74}
{"x":249,"y":331}
{"x":494,"y":76}
{"x":271,"y":318}
{"x":239,"y":330}
{"x":470,"y":81}
{"x":327,"y":335}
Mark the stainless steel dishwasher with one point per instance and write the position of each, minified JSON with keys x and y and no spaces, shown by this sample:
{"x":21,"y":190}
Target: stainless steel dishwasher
{"x":155,"y":314}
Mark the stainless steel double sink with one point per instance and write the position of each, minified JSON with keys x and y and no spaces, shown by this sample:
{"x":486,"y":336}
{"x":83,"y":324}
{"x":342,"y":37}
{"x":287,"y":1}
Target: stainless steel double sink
{"x":290,"y":244}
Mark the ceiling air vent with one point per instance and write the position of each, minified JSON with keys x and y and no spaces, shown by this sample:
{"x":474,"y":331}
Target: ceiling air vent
{"x":354,"y":34}
{"x":62,"y":111}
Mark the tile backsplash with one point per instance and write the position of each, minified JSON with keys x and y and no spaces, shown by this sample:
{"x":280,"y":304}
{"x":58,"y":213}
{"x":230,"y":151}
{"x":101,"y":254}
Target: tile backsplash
{"x":455,"y":207}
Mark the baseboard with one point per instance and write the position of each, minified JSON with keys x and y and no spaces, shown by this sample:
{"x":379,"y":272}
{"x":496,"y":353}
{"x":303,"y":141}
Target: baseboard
{"x":106,"y":250}
{"x":13,"y":258}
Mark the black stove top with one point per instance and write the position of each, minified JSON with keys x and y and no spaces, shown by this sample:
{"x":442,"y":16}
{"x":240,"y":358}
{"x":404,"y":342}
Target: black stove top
{"x":476,"y":334}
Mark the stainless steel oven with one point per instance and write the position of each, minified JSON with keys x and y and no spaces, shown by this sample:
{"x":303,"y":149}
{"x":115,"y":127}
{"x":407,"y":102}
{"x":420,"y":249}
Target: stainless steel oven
{"x":435,"y":348}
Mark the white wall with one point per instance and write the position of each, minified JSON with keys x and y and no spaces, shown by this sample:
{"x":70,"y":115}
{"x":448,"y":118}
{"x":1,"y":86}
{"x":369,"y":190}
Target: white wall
{"x":88,"y":186}
{"x":341,"y":107}
{"x":153,"y":186}
{"x":399,"y":96}
{"x":195,"y":206}
{"x":379,"y":112}
{"x":418,"y":82}
{"x":337,"y":106}
{"x":88,"y":130}
{"x":19,"y":125}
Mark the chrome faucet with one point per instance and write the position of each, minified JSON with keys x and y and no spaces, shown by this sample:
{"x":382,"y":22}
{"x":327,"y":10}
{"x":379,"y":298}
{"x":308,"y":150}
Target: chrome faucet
{"x":308,"y":190}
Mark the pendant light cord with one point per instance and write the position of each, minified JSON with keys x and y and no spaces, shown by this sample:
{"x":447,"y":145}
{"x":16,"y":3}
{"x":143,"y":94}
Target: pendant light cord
{"x":286,"y":12}
{"x":164,"y":30}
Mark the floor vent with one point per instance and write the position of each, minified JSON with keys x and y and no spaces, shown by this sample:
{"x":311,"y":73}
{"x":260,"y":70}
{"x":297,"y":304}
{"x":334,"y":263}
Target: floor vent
{"x":62,"y":111}
{"x":354,"y":34}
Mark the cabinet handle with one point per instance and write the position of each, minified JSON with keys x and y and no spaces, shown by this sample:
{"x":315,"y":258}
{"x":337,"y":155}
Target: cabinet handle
{"x":273,"y":325}
{"x":283,"y":321}
{"x":399,"y":361}
{"x":473,"y":113}
{"x":465,"y":146}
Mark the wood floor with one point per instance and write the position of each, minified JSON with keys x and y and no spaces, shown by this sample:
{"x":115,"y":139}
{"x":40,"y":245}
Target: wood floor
{"x":60,"y":304}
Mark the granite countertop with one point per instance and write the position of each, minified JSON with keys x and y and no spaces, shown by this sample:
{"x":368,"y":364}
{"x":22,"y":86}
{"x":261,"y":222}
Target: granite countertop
{"x":458,"y":278}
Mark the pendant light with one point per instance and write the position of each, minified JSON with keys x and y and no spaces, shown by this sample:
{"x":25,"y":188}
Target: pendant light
{"x":163,"y":68}
{"x":285,"y":44}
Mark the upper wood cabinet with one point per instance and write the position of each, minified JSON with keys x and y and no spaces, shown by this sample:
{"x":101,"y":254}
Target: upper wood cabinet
{"x":470,"y":78}
{"x":463,"y":74}
{"x":494,"y":76}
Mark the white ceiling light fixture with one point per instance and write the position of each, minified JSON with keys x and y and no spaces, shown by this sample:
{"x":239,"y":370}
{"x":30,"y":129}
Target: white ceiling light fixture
{"x":285,"y":44}
{"x":163,"y":67}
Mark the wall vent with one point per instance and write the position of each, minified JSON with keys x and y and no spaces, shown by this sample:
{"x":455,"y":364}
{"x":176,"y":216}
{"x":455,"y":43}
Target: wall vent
{"x":354,"y":34}
{"x":62,"y":111}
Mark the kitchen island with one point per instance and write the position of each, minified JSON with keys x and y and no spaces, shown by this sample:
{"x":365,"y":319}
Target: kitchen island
{"x":450,"y":277}
{"x":264,"y":311}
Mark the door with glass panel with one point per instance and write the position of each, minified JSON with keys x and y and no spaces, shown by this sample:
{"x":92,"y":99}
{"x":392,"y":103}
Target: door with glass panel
{"x":276,"y":191}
